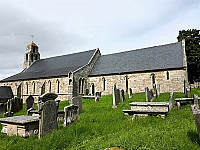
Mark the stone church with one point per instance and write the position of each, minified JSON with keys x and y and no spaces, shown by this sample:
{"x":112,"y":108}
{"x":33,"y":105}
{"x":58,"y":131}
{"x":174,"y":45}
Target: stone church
{"x":88,"y":72}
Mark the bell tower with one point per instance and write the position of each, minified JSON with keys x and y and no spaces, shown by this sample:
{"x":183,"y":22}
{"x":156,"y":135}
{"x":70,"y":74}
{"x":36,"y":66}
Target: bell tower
{"x":31,"y":54}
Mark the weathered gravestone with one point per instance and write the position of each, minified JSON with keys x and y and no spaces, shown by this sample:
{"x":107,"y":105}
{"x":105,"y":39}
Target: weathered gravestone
{"x":97,"y":94}
{"x":3,"y":108}
{"x":116,"y":96}
{"x":147,"y":93}
{"x":48,"y":117}
{"x":78,"y":102}
{"x":71,"y":114}
{"x":196,"y":114}
{"x":151,"y":94}
{"x":171,"y":101}
{"x":188,"y":93}
{"x":48,"y":96}
{"x":29,"y":102}
{"x":196,"y":101}
{"x":130,"y":93}
{"x":122,"y":96}
{"x":15,"y":104}
{"x":97,"y":99}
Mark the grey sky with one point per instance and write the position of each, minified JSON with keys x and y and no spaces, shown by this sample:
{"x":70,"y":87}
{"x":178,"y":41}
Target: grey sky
{"x":66,"y":26}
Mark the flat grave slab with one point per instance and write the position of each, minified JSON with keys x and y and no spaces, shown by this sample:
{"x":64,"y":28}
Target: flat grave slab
{"x":179,"y":100}
{"x":23,"y":126}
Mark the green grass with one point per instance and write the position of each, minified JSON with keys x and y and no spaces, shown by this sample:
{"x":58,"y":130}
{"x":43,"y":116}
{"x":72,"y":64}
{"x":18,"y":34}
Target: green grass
{"x":100,"y":126}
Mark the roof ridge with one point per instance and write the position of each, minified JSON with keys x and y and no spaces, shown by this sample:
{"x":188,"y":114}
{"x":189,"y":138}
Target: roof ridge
{"x":141,"y":48}
{"x":66,"y":54}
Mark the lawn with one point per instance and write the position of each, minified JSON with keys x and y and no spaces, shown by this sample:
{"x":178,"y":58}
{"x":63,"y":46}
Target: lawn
{"x":100,"y":126}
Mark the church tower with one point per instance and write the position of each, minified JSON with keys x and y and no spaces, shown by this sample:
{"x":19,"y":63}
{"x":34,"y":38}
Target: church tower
{"x":31,"y":54}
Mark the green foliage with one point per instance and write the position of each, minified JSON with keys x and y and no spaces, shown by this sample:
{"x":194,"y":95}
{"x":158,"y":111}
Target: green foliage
{"x":192,"y":44}
{"x":100,"y":126}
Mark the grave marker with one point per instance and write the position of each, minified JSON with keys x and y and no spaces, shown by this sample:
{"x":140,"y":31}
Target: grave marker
{"x":196,"y":102}
{"x":78,"y":102}
{"x":122,"y":96}
{"x":171,"y":101}
{"x":29,"y":102}
{"x":130,"y":93}
{"x":71,"y":114}
{"x":116,"y":96}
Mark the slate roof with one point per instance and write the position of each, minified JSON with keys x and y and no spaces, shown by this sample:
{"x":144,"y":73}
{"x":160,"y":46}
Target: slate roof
{"x":54,"y":66}
{"x":167,"y":56}
{"x":6,"y":92}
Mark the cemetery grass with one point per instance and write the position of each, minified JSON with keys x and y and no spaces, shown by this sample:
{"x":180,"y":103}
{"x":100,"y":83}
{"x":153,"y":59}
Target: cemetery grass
{"x":100,"y":127}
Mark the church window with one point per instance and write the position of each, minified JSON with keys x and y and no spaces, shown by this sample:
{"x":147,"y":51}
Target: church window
{"x":80,"y":81}
{"x":43,"y":88}
{"x":26,"y":88}
{"x":82,"y":86}
{"x":104,"y":84}
{"x":34,"y":49}
{"x":167,"y":75}
{"x":31,"y":57}
{"x":36,"y":57}
{"x":93,"y":89}
{"x":126,"y":78}
{"x":58,"y":86}
{"x":153,"y":78}
{"x":70,"y":81}
{"x":26,"y":57}
{"x":49,"y":86}
{"x":70,"y":74}
{"x":33,"y":87}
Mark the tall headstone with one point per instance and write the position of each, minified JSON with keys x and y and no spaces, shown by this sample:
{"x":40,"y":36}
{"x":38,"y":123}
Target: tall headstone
{"x":122,"y":96}
{"x":151,"y":94}
{"x":71,"y":114}
{"x":130,"y":93}
{"x":48,"y":118}
{"x":147,"y":94}
{"x":116,"y":96}
{"x":171,"y":101}
{"x":96,"y":98}
{"x":16,"y":104}
{"x":188,"y":93}
{"x":29,"y":102}
{"x":196,"y":114}
{"x":78,"y":102}
{"x":196,"y":101}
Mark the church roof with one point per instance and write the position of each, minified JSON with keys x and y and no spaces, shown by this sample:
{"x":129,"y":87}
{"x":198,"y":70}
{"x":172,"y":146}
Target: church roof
{"x":54,"y":66}
{"x":169,"y":56}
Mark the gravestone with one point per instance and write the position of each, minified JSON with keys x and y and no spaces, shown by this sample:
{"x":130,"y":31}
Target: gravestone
{"x":122,"y":96}
{"x":116,"y":96}
{"x":3,"y":108}
{"x":48,"y":117}
{"x":97,"y":94}
{"x":48,"y":96}
{"x":196,"y":101}
{"x":147,"y":93}
{"x":29,"y":102}
{"x":97,"y":99}
{"x":188,"y":93}
{"x":78,"y":102}
{"x":71,"y":114}
{"x":16,"y":104}
{"x":171,"y":101}
{"x":151,"y":94}
{"x":196,"y":114}
{"x":130,"y":93}
{"x":158,"y":89}
{"x":86,"y":91}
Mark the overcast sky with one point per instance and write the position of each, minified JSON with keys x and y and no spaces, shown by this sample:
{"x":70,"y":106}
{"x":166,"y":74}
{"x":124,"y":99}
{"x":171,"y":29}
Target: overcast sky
{"x":66,"y":26}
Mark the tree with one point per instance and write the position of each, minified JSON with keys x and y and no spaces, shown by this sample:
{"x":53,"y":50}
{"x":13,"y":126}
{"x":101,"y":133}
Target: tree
{"x":192,"y":48}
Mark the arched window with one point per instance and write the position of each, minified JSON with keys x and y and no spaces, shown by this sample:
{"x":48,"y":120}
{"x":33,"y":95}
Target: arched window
{"x":104,"y":84}
{"x":93,"y":89}
{"x":82,"y":86}
{"x":31,"y":57}
{"x":58,"y":86}
{"x":26,"y":87}
{"x":167,"y":75}
{"x":153,"y":78}
{"x":70,"y":81}
{"x":43,"y":88}
{"x":80,"y":81}
{"x":49,"y":86}
{"x":33,"y":87}
{"x":70,"y":74}
{"x":126,"y":78}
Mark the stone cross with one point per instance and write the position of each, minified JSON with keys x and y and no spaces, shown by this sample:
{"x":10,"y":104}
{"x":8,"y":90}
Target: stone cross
{"x":130,"y":93}
{"x":171,"y":101}
{"x":196,"y":114}
{"x":29,"y":102}
{"x":71,"y":114}
{"x":122,"y":96}
{"x":78,"y":102}
{"x":48,"y":118}
{"x":196,"y":101}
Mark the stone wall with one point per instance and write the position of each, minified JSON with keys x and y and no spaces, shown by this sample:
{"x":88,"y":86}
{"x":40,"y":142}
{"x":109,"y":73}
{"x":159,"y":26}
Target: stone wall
{"x":62,"y":90}
{"x":138,"y":81}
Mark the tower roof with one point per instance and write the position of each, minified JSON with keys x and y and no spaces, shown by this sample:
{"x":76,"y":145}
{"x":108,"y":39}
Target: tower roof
{"x":32,"y":43}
